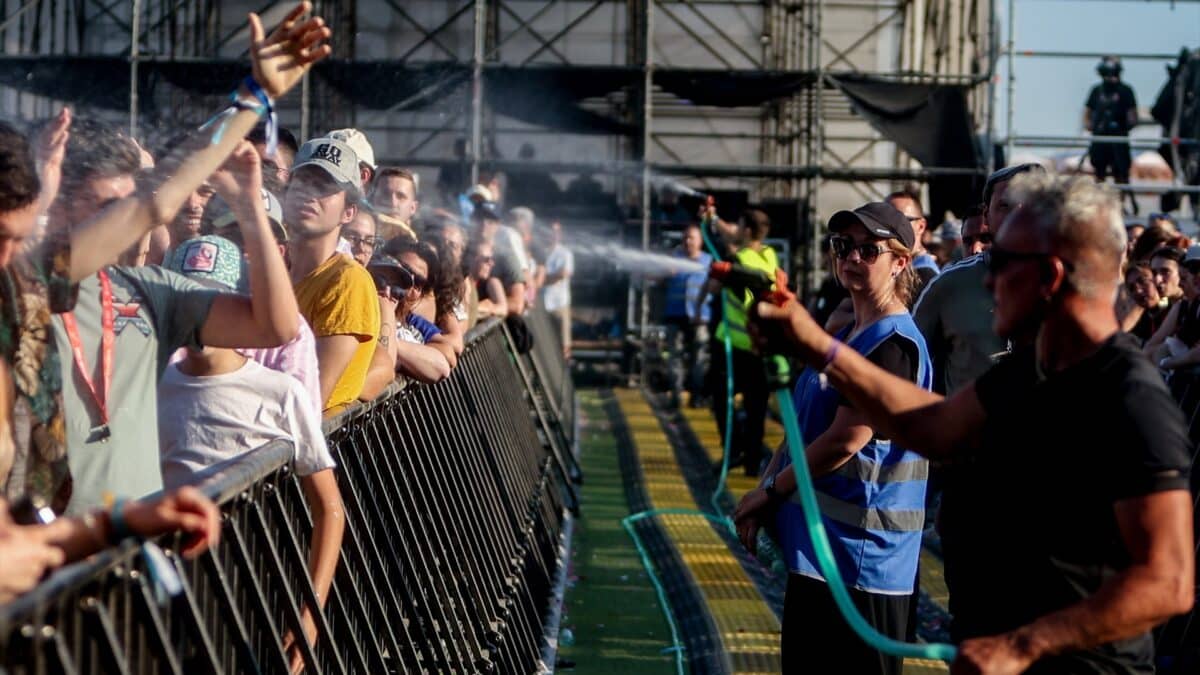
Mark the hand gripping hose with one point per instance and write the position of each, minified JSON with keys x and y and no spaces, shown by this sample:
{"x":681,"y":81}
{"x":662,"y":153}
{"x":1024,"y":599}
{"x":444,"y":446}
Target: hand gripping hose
{"x":820,"y":540}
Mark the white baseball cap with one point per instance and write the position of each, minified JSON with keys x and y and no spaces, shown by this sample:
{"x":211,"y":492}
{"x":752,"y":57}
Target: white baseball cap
{"x":358,"y":142}
{"x":337,"y":159}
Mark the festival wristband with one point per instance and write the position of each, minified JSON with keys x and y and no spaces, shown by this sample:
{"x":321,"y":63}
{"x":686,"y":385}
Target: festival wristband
{"x":118,"y":529}
{"x":830,"y":355}
{"x":272,"y":129}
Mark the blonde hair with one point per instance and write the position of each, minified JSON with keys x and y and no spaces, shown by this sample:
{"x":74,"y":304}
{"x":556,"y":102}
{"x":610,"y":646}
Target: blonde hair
{"x":904,"y":284}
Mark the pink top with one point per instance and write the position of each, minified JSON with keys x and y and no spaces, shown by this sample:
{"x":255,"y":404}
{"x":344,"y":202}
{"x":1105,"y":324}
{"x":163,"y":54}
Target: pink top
{"x":297,"y":358}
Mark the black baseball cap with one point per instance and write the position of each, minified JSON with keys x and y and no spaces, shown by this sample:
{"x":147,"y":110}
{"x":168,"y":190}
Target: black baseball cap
{"x":880,"y":218}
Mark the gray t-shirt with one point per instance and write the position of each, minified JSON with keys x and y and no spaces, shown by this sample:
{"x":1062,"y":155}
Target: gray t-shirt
{"x":155,"y":312}
{"x":955,"y":314}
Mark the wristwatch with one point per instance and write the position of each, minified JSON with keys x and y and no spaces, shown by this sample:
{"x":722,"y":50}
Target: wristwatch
{"x":769,"y":488}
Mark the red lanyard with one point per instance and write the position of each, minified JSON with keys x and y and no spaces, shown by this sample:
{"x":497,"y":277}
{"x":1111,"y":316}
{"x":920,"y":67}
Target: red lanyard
{"x":107,"y":338}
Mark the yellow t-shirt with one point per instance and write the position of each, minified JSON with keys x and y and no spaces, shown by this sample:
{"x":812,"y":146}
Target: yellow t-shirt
{"x":338,"y":298}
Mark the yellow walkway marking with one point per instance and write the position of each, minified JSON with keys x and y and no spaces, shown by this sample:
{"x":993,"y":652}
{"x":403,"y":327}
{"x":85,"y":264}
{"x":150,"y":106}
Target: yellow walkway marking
{"x":748,"y":629}
{"x":703,"y":425}
{"x":705,"y":428}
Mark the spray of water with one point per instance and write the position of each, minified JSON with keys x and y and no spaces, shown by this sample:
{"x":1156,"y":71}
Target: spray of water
{"x":634,"y":261}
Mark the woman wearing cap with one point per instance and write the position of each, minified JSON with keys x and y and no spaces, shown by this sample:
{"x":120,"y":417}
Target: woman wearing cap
{"x":872,"y":494}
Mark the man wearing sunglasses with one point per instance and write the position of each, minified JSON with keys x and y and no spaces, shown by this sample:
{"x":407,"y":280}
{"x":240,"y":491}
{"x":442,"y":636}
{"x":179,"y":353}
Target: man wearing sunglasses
{"x":1071,"y":530}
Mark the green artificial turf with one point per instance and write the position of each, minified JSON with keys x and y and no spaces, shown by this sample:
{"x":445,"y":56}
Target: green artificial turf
{"x":611,"y":607}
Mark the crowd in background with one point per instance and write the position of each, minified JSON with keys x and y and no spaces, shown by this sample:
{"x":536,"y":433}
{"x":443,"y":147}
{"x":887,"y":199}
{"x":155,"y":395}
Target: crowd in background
{"x":166,"y":310}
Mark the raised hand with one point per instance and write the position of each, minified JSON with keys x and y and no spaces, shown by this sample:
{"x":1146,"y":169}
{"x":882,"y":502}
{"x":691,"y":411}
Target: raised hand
{"x":49,"y":150}
{"x":280,"y":59}
{"x":239,"y":180}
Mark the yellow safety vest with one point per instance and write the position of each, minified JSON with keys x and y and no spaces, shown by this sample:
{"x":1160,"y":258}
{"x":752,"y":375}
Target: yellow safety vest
{"x":736,"y":306}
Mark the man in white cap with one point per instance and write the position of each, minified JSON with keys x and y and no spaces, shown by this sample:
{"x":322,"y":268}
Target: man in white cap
{"x":358,"y":142}
{"x":335,"y":294}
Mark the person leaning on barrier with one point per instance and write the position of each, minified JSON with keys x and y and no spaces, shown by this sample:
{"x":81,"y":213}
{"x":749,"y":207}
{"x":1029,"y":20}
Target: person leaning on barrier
{"x":335,"y":294}
{"x":1076,"y":518}
{"x":146,"y":314}
{"x":216,"y":404}
{"x":855,"y":467}
{"x":29,"y":552}
{"x":411,"y":269}
{"x":116,"y":217}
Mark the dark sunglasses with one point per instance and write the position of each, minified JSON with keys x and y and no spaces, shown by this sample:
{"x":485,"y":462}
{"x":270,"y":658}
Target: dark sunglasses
{"x":485,"y":259}
{"x":998,"y":258}
{"x":984,"y":238}
{"x":868,"y":252}
{"x":407,"y":280}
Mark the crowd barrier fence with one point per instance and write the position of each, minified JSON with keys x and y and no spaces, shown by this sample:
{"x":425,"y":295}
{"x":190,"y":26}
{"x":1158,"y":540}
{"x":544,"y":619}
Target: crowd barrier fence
{"x":458,"y":502}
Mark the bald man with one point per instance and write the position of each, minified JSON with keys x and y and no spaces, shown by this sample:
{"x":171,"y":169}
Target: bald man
{"x":1072,"y":542}
{"x":909,"y":204}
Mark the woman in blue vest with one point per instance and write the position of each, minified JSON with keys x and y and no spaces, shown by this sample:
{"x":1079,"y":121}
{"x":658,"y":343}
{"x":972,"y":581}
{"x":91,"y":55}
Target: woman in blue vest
{"x":871,"y":493}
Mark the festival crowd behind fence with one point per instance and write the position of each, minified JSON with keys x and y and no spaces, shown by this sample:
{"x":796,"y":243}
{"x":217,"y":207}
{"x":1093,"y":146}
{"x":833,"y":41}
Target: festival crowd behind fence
{"x":359,"y":385}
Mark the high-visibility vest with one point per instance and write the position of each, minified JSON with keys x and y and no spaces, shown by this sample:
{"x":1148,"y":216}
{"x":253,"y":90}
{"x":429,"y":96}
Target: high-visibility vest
{"x":873,"y":506}
{"x":736,"y":305}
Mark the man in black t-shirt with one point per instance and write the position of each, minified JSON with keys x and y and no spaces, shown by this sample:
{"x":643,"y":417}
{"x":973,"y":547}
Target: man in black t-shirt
{"x":1071,"y":532}
{"x":1111,"y":111}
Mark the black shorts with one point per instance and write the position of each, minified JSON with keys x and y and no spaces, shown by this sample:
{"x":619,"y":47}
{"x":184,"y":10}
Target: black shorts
{"x":817,"y":640}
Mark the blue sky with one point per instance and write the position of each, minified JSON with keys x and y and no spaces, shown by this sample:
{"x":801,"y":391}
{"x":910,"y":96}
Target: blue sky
{"x":1050,"y":92}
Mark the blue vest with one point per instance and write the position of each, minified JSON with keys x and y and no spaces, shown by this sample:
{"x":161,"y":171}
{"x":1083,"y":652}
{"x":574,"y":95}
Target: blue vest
{"x":684,"y":288}
{"x":873,"y":506}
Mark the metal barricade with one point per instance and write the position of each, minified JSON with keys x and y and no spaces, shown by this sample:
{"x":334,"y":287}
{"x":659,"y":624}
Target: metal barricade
{"x":554,"y":392}
{"x":452,"y":561}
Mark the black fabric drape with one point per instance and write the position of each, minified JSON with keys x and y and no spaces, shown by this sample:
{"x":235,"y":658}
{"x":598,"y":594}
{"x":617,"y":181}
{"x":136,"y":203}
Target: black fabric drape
{"x":932,"y":123}
{"x":729,"y":89}
{"x":96,"y":81}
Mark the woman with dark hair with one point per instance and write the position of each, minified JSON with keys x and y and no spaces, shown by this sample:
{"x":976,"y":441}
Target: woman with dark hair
{"x":855,"y":471}
{"x":449,"y":309}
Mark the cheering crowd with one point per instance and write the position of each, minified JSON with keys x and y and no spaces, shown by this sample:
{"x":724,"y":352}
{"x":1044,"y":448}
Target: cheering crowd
{"x":163,"y":311}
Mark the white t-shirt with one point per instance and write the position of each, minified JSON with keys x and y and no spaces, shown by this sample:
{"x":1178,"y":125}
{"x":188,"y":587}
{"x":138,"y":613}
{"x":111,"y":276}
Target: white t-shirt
{"x":557,"y":295}
{"x":206,"y":420}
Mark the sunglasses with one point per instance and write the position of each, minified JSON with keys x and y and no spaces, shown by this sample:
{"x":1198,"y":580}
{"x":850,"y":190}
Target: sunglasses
{"x":868,"y":252}
{"x":485,"y":259}
{"x":984,"y":238}
{"x":407,"y":280}
{"x":997,"y":259}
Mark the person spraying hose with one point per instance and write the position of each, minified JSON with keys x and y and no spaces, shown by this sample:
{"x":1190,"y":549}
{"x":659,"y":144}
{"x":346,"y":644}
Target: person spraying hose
{"x":1071,"y":525}
{"x":871,"y":491}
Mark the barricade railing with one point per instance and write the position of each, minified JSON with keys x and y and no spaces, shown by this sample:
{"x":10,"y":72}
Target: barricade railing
{"x":553,"y":392}
{"x":452,"y":559}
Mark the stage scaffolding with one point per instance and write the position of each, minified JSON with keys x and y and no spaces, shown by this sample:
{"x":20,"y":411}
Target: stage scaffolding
{"x":808,"y":145}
